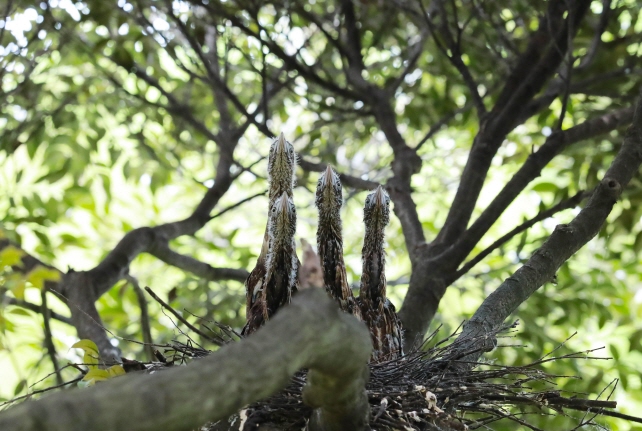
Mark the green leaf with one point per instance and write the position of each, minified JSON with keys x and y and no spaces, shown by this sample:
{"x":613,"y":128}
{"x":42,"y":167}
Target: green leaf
{"x":40,"y":274}
{"x":545,"y":187}
{"x":11,"y":256}
{"x":54,"y":176}
{"x":91,"y":357}
{"x":98,"y":375}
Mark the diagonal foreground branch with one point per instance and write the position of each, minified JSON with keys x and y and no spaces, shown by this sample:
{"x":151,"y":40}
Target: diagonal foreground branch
{"x":562,"y":244}
{"x":310,"y":333}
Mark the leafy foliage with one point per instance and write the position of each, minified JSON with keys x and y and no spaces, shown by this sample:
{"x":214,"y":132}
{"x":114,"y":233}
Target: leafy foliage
{"x":109,"y":114}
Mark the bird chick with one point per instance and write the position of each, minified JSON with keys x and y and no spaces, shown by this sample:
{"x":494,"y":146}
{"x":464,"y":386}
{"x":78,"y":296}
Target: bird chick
{"x":377,"y":311}
{"x":281,"y":165}
{"x":281,"y":266}
{"x":329,"y":199}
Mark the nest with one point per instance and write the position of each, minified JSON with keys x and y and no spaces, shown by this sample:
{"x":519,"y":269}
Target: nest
{"x":433,"y":388}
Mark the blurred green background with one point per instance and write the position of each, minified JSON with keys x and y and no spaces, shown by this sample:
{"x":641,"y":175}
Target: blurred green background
{"x":87,"y":153}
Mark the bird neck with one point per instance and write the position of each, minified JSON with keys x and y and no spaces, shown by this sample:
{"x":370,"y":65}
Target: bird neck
{"x":330,"y":226}
{"x":277,"y":188}
{"x":330,"y":244}
{"x":281,"y":180}
{"x":373,"y":276}
{"x":281,"y":268}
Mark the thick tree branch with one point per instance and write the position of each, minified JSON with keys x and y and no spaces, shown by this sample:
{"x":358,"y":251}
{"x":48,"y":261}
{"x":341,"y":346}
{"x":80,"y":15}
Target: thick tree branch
{"x":540,"y":61}
{"x":429,"y":279}
{"x":562,"y":244}
{"x":405,"y":164}
{"x":27,"y":261}
{"x":83,"y":288}
{"x":310,"y":333}
{"x":195,"y":266}
{"x":530,"y":170}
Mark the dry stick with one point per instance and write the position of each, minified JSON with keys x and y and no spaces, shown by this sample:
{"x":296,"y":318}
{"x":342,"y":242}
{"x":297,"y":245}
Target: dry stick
{"x":51,"y":349}
{"x":309,"y":333}
{"x":611,"y":414}
{"x":182,"y":319}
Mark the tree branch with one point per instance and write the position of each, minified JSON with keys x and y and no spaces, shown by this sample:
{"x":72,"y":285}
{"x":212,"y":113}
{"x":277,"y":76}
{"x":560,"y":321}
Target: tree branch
{"x":540,"y":61}
{"x":561,"y":245}
{"x":49,"y":345}
{"x":346,"y":180}
{"x":310,"y":333}
{"x":530,"y":170}
{"x":429,"y":279}
{"x":195,"y":266}
{"x":455,"y":55}
{"x":542,"y":215}
{"x":36,"y":308}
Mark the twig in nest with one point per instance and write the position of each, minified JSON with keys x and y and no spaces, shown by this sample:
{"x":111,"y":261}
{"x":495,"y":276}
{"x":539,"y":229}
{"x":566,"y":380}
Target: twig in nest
{"x":219,"y":341}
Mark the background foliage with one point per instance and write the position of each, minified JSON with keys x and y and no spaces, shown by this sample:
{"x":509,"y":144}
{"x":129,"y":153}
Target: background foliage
{"x":91,"y":148}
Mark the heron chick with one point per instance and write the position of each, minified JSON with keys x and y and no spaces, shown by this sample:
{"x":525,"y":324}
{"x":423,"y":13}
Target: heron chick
{"x":377,"y":311}
{"x":329,"y":199}
{"x":281,"y":266}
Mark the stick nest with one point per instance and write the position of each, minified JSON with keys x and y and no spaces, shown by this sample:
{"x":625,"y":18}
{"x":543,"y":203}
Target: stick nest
{"x":430,"y":389}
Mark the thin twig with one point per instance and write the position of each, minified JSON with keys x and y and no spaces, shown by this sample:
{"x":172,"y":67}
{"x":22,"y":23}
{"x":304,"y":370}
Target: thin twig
{"x":51,"y":349}
{"x":181,"y":318}
{"x":144,"y":318}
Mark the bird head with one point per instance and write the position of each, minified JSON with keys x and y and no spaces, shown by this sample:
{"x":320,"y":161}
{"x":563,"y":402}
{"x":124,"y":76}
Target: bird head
{"x":329,"y":195}
{"x":281,"y":164}
{"x":376,"y":212}
{"x":283,"y":219}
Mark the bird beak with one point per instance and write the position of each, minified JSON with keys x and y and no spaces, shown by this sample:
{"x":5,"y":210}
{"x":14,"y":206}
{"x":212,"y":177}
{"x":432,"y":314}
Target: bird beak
{"x":280,"y":145}
{"x":327,"y":179}
{"x":283,"y":206}
{"x":380,"y":197}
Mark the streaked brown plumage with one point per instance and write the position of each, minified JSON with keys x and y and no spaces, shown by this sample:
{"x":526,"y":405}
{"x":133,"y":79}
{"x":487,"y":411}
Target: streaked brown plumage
{"x":377,"y":311}
{"x":281,"y":165}
{"x":329,"y":199}
{"x":281,"y":265}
